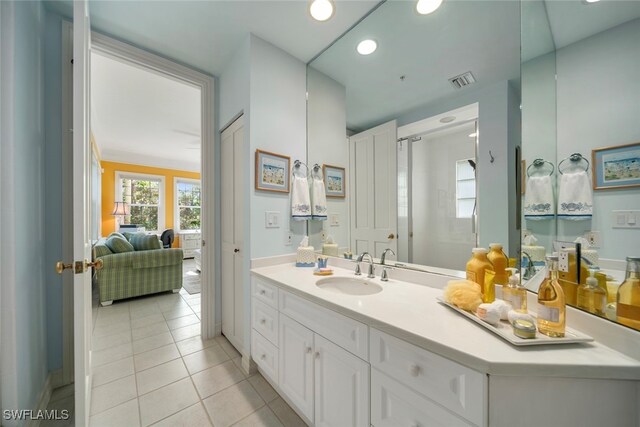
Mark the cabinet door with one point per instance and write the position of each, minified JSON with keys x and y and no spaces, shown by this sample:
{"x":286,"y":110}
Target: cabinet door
{"x":341,"y":387}
{"x":296,"y":364}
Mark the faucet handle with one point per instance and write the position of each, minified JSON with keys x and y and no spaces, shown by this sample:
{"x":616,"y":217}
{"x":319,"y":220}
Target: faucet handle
{"x":358,"y":272}
{"x":372,"y":271}
{"x":385,"y":273}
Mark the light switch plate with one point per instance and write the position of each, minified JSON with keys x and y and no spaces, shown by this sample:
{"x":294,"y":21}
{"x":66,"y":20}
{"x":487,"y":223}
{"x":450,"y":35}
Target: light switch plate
{"x":272,"y":219}
{"x":334,"y":220}
{"x":626,"y":219}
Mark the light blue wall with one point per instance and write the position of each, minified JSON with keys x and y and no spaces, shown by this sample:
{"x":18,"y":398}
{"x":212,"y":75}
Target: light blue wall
{"x":53,"y":185}
{"x":23,"y":157}
{"x":598,"y":93}
{"x":496,"y":109}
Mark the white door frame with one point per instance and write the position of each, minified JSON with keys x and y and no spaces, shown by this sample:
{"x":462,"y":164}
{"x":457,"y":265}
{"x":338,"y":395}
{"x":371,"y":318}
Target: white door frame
{"x":137,"y":57}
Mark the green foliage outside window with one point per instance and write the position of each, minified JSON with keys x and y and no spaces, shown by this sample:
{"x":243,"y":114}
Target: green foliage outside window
{"x":189,"y":205}
{"x":143,"y":198}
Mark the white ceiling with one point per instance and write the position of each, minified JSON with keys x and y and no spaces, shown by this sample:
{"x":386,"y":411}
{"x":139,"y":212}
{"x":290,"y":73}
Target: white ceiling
{"x":206,"y":34}
{"x":478,"y":36}
{"x":141,"y":117}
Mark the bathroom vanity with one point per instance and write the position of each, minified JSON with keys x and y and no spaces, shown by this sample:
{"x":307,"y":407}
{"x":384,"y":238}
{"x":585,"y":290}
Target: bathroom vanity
{"x":388,"y":354}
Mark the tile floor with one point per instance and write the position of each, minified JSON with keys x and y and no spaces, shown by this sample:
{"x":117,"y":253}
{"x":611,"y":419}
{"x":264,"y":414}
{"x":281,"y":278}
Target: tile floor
{"x":151,"y":367}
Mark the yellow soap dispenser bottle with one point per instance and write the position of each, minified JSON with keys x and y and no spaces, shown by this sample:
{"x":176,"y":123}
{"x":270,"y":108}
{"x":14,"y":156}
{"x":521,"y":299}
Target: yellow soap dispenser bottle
{"x":551,"y":302}
{"x":480,"y":270}
{"x":592,"y":297}
{"x":628,"y":299}
{"x":514,"y":293}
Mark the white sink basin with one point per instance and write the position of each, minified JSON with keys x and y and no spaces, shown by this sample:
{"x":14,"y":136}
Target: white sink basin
{"x":349,"y":286}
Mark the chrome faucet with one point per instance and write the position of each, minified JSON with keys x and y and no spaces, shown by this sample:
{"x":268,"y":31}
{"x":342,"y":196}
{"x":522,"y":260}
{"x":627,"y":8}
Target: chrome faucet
{"x":385,"y":275}
{"x":530,"y":271}
{"x":372,"y":270}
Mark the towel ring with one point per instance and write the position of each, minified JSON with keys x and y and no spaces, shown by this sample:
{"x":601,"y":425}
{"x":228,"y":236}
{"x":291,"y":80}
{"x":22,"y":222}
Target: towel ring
{"x":297,"y":164}
{"x":574,"y":158}
{"x":316,"y":169}
{"x":538,"y":163}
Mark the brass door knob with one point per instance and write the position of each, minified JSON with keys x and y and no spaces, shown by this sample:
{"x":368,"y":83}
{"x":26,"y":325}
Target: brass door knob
{"x":391,"y":236}
{"x":61,"y":266}
{"x":97,"y":264}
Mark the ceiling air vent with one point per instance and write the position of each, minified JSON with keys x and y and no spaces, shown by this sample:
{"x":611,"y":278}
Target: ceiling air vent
{"x":462,"y":80}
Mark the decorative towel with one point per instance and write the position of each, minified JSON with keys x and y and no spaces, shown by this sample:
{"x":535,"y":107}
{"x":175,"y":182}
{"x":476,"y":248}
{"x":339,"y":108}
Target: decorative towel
{"x":575,"y":197}
{"x":539,"y":203}
{"x":319,"y":199}
{"x":300,"y":200}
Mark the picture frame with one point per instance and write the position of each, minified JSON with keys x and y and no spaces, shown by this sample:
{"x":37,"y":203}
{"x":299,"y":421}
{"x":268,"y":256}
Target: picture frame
{"x":616,"y":167}
{"x":334,"y":181}
{"x":272,"y":172}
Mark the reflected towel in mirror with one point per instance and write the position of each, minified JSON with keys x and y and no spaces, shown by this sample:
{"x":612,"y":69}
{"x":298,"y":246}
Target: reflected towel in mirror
{"x":318,"y":199}
{"x":575,"y":197}
{"x":539,"y":203}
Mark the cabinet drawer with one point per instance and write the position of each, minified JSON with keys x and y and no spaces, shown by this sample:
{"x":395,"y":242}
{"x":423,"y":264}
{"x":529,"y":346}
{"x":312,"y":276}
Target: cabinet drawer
{"x":393,"y":405}
{"x":265,"y":355}
{"x":349,"y":334}
{"x":457,"y":388}
{"x":265,"y":292}
{"x":264,"y":319}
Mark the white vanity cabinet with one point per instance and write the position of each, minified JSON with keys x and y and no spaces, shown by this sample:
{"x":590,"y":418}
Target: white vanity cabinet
{"x":190,"y":242}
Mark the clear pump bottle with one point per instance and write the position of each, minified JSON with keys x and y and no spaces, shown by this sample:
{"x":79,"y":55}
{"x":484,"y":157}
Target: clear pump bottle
{"x":551,"y":302}
{"x":628,"y":300}
{"x":514,"y":293}
{"x":591,"y":297}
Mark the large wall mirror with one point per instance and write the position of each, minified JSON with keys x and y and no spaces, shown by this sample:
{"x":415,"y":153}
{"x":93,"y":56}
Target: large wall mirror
{"x":418,"y":138}
{"x":581,"y":148}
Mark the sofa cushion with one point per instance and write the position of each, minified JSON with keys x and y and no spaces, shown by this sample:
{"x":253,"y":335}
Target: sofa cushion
{"x":119,"y":245}
{"x":101,"y":249}
{"x":144,"y":242}
{"x":115,"y":233}
{"x":157,"y":258}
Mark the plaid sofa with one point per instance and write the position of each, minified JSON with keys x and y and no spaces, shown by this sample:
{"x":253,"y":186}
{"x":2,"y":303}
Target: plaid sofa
{"x":140,"y":272}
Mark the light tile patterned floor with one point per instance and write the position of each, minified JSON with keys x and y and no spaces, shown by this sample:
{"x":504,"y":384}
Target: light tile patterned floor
{"x":151,"y":367}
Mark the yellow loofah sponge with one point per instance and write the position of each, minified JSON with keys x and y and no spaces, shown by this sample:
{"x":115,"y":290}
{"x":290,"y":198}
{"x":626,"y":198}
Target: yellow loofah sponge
{"x":464,"y":294}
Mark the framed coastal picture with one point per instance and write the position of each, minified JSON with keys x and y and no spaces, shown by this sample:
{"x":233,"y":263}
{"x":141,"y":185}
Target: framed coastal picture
{"x":272,"y":172}
{"x":616,"y":167}
{"x":334,"y":181}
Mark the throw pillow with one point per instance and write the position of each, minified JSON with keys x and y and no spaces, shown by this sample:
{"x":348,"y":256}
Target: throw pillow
{"x":101,"y":249}
{"x":115,"y":233}
{"x":144,"y":242}
{"x":119,"y":245}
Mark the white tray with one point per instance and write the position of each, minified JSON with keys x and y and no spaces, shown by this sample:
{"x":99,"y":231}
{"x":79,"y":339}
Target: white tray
{"x":505,"y":330}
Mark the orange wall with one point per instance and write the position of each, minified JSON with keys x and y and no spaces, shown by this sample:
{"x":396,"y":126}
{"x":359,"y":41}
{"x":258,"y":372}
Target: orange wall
{"x":109,"y":190}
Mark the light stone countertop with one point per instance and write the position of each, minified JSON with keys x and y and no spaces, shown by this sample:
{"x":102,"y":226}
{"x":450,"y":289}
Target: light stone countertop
{"x":411,"y":312}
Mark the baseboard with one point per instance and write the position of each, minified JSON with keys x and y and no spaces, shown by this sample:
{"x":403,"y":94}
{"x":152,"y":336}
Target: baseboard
{"x":218,"y":330}
{"x":43,"y":397}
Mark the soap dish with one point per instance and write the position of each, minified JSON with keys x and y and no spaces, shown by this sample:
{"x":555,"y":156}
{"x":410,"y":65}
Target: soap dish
{"x":323,"y":272}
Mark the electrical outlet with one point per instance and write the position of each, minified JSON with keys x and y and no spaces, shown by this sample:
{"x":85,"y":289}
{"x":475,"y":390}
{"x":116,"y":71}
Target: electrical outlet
{"x":334,"y":220}
{"x":288,"y":238}
{"x":323,"y":235}
{"x":594,"y":238}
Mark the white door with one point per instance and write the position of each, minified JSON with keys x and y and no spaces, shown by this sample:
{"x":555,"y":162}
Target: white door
{"x":341,"y":387}
{"x":374,"y":188}
{"x":81,"y":212}
{"x":232,"y":236}
{"x":295,"y":370}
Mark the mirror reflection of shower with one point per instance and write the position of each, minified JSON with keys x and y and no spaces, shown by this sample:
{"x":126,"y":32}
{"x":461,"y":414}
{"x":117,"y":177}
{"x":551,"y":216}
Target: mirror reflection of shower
{"x":437,"y":206}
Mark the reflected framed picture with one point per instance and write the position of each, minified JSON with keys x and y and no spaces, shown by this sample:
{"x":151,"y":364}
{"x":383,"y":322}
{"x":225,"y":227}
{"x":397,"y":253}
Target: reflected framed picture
{"x":272,"y":172}
{"x":334,"y":181}
{"x":616,"y":167}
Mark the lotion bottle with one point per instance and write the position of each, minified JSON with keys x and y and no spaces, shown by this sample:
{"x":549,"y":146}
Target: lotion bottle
{"x":477,"y":267}
{"x":592,"y":297}
{"x":628,"y":299}
{"x":551,"y":302}
{"x":514,"y":293}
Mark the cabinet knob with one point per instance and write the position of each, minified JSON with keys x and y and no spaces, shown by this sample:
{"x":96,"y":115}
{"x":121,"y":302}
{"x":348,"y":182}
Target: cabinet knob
{"x":236,"y":250}
{"x":309,"y":350}
{"x":317,"y":355}
{"x":263,"y":321}
{"x":262,"y":292}
{"x":264,"y":356}
{"x":415,"y":424}
{"x":414,"y":370}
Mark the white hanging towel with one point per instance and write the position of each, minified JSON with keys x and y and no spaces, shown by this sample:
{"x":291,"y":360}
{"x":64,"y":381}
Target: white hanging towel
{"x":575,"y":197}
{"x":318,"y":199}
{"x":300,"y":200}
{"x":539,"y":203}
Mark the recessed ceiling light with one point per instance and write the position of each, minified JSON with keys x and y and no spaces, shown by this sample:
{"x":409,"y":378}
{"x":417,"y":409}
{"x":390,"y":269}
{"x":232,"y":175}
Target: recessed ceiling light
{"x":425,"y":7}
{"x":447,"y":119}
{"x":367,"y":47}
{"x":321,"y":10}
{"x":473,"y":135}
{"x":591,"y":1}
